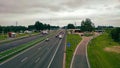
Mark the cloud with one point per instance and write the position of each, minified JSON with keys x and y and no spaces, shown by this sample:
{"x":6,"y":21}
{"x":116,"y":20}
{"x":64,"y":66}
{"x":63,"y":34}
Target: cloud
{"x":31,"y":10}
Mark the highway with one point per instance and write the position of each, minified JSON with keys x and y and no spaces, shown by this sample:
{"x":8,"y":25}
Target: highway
{"x":46,"y":54}
{"x":18,"y":42}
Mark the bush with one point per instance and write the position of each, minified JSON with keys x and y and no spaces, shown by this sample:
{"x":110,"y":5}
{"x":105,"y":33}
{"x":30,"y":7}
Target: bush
{"x":115,"y":34}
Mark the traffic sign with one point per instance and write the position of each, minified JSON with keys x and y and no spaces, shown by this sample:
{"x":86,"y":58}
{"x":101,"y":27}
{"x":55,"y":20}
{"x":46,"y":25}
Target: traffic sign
{"x":68,"y":44}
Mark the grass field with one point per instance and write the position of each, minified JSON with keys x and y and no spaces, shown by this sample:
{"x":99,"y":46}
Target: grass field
{"x":99,"y":57}
{"x":3,"y":37}
{"x":74,"y":40}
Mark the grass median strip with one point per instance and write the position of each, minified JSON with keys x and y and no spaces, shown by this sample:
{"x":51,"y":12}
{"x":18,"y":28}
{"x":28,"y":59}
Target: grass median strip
{"x":99,"y":57}
{"x":72,"y":42}
{"x":11,"y":52}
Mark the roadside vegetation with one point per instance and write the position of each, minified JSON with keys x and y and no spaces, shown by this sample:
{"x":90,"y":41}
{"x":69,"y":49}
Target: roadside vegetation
{"x":3,"y":37}
{"x":115,"y":34}
{"x":87,"y":34}
{"x":103,"y":52}
{"x":72,"y":42}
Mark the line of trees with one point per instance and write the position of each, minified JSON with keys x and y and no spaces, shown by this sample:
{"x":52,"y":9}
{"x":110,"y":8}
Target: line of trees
{"x":39,"y":26}
{"x":104,"y":27}
{"x":36,"y":27}
{"x":6,"y":29}
{"x":70,"y":26}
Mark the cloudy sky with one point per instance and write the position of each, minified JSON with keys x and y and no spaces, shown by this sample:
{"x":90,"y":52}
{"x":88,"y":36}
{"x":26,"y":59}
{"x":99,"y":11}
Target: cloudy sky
{"x":59,"y":12}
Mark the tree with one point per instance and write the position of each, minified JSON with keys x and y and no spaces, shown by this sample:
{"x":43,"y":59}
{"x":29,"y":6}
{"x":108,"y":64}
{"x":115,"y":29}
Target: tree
{"x":48,"y":26}
{"x":0,"y":29}
{"x":39,"y":25}
{"x":31,"y":27}
{"x":115,"y":34}
{"x":87,"y":25}
{"x":70,"y":26}
{"x":54,"y":27}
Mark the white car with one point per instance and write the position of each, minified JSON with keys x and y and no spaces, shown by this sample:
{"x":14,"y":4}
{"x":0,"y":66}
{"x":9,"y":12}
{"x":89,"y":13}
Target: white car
{"x":60,"y":36}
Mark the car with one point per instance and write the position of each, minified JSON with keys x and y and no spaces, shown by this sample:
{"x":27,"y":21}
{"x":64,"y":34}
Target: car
{"x":60,"y":36}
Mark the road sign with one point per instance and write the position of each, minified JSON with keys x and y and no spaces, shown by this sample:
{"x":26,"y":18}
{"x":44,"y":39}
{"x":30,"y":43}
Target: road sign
{"x":68,"y":44}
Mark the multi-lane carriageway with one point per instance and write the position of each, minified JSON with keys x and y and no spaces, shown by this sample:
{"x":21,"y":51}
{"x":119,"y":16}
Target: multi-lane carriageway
{"x":42,"y":55}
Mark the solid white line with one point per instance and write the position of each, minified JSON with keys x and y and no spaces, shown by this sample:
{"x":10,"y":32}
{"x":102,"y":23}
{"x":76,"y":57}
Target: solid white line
{"x":75,"y":53}
{"x":64,"y":56}
{"x":37,"y":60}
{"x":87,"y":55}
{"x":24,"y":59}
{"x":54,"y":54}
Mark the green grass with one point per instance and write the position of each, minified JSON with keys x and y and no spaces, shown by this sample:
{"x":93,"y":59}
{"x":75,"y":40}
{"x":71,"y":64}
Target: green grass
{"x":3,"y":37}
{"x":11,"y":52}
{"x":87,"y":34}
{"x":98,"y":57}
{"x":74,"y":40}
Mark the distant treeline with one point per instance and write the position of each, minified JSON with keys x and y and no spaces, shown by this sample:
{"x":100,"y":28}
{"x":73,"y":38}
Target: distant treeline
{"x":36,"y":27}
{"x":104,"y":27}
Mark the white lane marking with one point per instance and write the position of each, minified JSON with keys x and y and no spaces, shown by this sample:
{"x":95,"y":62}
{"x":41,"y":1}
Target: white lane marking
{"x":37,"y":60}
{"x":54,"y":54}
{"x":24,"y":59}
{"x":87,"y":54}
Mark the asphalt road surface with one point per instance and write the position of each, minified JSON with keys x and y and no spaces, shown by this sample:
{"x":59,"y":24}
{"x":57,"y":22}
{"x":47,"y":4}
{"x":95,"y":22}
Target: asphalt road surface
{"x":58,"y":60}
{"x":80,"y":60}
{"x":47,"y":54}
